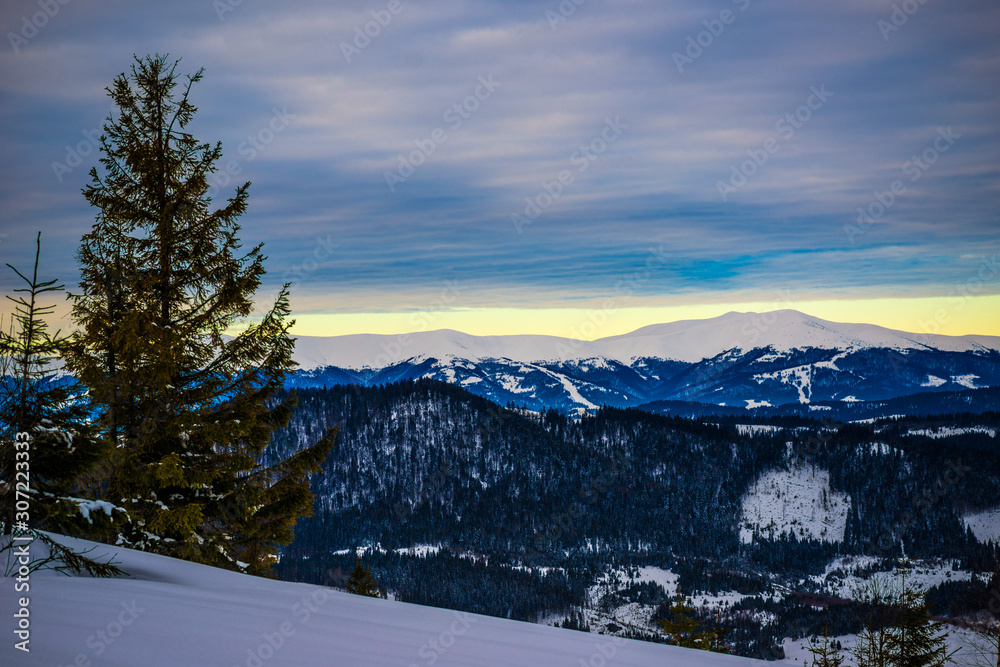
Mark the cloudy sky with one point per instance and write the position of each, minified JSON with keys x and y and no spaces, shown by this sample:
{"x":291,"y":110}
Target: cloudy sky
{"x":534,"y":166}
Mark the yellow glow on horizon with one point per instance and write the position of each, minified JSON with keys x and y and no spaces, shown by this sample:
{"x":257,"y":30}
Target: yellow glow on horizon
{"x":954,"y":316}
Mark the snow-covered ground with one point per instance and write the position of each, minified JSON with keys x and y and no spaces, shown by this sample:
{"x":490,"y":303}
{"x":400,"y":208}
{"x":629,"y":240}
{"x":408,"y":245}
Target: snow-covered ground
{"x":419,"y":550}
{"x":947,"y":431}
{"x":797,"y":651}
{"x":636,"y":616}
{"x":798,"y":500}
{"x":799,"y":377}
{"x":985,"y":525}
{"x":967,"y":381}
{"x":841,"y":576}
{"x":170,"y":613}
{"x":754,"y":429}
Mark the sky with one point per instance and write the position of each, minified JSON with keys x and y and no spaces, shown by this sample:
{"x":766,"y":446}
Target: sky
{"x":577,"y":168}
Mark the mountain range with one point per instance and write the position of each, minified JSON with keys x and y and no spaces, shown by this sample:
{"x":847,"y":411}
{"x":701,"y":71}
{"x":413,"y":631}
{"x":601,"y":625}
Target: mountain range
{"x":781,"y":361}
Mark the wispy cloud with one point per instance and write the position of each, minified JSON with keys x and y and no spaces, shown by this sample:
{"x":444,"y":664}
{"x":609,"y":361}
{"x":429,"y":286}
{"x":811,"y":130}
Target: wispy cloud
{"x":323,"y":175}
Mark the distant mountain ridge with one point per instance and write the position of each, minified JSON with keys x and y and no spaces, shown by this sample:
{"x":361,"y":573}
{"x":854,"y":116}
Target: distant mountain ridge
{"x":743,"y":360}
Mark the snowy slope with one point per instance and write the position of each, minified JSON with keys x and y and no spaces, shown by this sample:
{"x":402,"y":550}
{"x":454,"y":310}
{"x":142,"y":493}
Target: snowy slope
{"x":985,"y":525}
{"x":688,"y":341}
{"x":171,"y":614}
{"x":797,"y":500}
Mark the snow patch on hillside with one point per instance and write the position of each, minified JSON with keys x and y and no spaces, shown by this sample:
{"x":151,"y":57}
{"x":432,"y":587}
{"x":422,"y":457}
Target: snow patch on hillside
{"x":633,"y":616}
{"x":985,"y":525}
{"x":799,"y":377}
{"x":574,"y":393}
{"x":753,"y":429}
{"x":948,"y":431}
{"x":965,"y":380}
{"x":832,"y":362}
{"x":798,"y":500}
{"x":512,"y":384}
{"x":842,"y":578}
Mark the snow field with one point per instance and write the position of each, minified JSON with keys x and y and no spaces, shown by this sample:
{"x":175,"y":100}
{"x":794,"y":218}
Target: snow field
{"x":985,"y":525}
{"x":947,"y":431}
{"x":799,"y":500}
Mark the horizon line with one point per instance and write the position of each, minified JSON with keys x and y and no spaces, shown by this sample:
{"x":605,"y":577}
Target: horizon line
{"x":949,"y":316}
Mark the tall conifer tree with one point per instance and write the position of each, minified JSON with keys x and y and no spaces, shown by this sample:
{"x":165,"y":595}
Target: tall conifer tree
{"x":190,"y":411}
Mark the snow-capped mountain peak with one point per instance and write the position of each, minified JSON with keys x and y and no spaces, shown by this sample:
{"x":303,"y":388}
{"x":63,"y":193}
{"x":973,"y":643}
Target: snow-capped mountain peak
{"x":687,"y":341}
{"x":748,"y":360}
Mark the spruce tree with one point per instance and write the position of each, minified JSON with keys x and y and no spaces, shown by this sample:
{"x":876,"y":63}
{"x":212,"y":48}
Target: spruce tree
{"x":916,"y":640}
{"x":872,"y":648}
{"x":188,"y":410}
{"x":362,"y":582}
{"x":984,"y":646}
{"x":683,"y":628}
{"x":47,"y":444}
{"x":62,"y":445}
{"x":826,"y":653}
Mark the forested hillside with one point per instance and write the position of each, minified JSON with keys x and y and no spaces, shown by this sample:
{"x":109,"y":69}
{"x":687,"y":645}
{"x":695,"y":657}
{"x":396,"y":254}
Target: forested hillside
{"x":523,"y":515}
{"x":426,"y":462}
